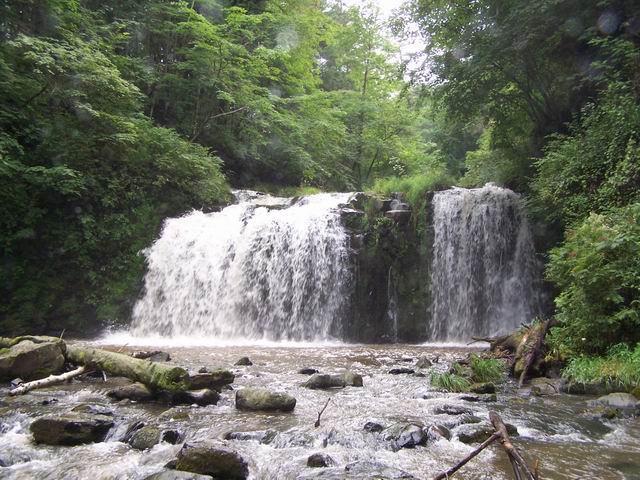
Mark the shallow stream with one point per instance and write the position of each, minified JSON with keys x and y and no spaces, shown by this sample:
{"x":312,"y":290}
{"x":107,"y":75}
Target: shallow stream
{"x":558,"y":430}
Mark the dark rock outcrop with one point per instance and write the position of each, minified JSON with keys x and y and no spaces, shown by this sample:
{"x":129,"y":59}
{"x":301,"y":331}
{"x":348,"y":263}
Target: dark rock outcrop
{"x":244,"y":362}
{"x":32,"y":359}
{"x":136,"y":391}
{"x":71,"y":428}
{"x":212,"y":459}
{"x":320,"y":460}
{"x":264,"y":400}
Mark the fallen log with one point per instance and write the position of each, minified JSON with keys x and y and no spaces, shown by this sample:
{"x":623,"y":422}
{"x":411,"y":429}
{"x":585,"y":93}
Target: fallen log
{"x":518,"y":463}
{"x":535,"y":350}
{"x":466,"y":459}
{"x":48,"y":381}
{"x":155,"y":375}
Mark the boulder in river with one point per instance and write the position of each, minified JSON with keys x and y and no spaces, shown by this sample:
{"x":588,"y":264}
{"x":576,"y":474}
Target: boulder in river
{"x":262,"y":436}
{"x":486,"y":398}
{"x":215,"y":379}
{"x":243,"y":362}
{"x":71,"y":428}
{"x":479,"y":432}
{"x":202,"y":397}
{"x":177,"y":475}
{"x":341,"y":380}
{"x":261,"y":399}
{"x":320,"y":460}
{"x":145,"y":437}
{"x":405,"y":435}
{"x":307,"y":371}
{"x":138,"y":392}
{"x":357,"y":471}
{"x":401,"y":371}
{"x":212,"y":459}
{"x":373,"y":427}
{"x":486,"y":387}
{"x":32,"y":359}
{"x":621,"y":400}
{"x":437,"y":432}
{"x":93,"y":409}
{"x":423,"y":362}
{"x":451,"y":410}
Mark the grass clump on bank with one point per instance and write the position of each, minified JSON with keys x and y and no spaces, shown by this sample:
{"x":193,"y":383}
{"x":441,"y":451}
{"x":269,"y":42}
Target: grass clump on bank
{"x":620,"y":368}
{"x":450,"y":382}
{"x":416,"y":186}
{"x":486,"y":369}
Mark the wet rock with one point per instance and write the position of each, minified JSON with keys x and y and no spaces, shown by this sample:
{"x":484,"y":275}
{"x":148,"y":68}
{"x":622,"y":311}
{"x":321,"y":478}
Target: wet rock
{"x":480,"y":432}
{"x":16,"y":382}
{"x":401,"y":217}
{"x":71,"y":428}
{"x":487,"y":398}
{"x":400,"y":371}
{"x":541,"y":386}
{"x":136,"y":391}
{"x":373,"y":427}
{"x":377,"y":470}
{"x":215,"y":379}
{"x":486,"y":387}
{"x":585,"y":388}
{"x":31,"y":360}
{"x":145,"y":438}
{"x":212,"y":459}
{"x":437,"y":432}
{"x":621,"y":400}
{"x":307,"y":371}
{"x":423,"y":362}
{"x":202,"y":397}
{"x":177,"y":475}
{"x":243,"y":362}
{"x":48,"y":401}
{"x":152,"y":356}
{"x":264,"y":400}
{"x":93,"y":409}
{"x":324,"y":381}
{"x":405,"y":435}
{"x":451,"y":410}
{"x":320,"y":460}
{"x":131,"y":430}
{"x":262,"y":436}
{"x":464,"y":419}
{"x":636,"y":392}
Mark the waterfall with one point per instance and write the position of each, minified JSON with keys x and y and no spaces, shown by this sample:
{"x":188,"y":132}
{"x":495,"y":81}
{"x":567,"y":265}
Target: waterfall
{"x":264,"y":268}
{"x":484,"y":274}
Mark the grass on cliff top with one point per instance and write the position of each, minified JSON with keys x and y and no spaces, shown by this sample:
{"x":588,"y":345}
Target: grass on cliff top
{"x":414,"y":187}
{"x":285,"y":191}
{"x":620,"y":368}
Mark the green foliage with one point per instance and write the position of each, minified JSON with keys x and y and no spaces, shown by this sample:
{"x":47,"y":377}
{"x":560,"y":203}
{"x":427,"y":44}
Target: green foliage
{"x":450,"y":382}
{"x":619,"y":368}
{"x":486,"y":369}
{"x":416,"y":186}
{"x":597,"y":271}
{"x":597,"y":165}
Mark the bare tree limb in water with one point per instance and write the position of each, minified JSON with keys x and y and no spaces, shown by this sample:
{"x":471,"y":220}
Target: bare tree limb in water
{"x":317,"y":424}
{"x":48,"y":381}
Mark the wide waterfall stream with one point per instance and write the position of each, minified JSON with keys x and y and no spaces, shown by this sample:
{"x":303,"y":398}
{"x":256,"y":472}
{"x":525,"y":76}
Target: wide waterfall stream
{"x":269,"y":278}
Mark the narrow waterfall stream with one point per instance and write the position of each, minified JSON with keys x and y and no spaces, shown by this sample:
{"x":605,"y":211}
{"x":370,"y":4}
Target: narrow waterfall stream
{"x":264,"y":268}
{"x":485,"y":277}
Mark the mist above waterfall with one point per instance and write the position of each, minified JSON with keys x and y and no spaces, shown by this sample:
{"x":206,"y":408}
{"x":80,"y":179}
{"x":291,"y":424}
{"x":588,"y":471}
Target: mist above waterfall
{"x":484,"y":276}
{"x":259,"y":269}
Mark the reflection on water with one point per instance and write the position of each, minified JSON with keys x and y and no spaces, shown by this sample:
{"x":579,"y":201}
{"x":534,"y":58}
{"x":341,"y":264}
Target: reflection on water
{"x":568,"y":443}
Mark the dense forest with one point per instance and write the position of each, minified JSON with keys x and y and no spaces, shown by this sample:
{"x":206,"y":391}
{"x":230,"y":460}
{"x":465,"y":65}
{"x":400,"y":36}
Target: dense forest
{"x":117,"y":114}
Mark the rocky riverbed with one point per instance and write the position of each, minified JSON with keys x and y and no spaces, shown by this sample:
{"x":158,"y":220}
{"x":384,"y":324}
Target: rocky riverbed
{"x":377,"y":424}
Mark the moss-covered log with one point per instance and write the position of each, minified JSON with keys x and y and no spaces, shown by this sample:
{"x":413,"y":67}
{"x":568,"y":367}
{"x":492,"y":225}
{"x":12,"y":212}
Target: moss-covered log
{"x":155,"y":375}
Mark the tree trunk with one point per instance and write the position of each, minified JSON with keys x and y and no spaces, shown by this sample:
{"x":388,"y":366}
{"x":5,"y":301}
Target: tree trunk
{"x":48,"y":381}
{"x":152,"y":374}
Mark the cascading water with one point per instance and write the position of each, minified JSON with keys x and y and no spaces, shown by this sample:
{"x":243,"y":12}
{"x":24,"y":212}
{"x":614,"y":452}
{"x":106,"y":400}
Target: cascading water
{"x":264,"y":268}
{"x":484,"y":277}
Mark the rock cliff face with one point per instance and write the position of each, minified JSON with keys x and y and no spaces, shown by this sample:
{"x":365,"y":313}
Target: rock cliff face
{"x":391,"y":245}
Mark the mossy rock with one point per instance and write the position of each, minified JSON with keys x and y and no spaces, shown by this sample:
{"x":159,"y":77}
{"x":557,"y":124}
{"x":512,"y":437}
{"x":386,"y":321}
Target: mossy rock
{"x":71,"y":428}
{"x":31,"y":359}
{"x":211,"y":459}
{"x":264,"y":400}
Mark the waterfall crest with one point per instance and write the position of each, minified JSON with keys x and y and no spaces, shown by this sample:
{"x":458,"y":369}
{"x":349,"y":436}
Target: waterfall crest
{"x":484,"y":276}
{"x":265,"y":268}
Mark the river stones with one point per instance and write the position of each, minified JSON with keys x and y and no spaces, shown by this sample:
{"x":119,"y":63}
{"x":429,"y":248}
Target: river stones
{"x":153,"y":356}
{"x":438,"y":432}
{"x":621,"y":400}
{"x":32,"y":359}
{"x":215,"y":379}
{"x":359,"y":470}
{"x":177,"y":475}
{"x":261,"y":436}
{"x":92,"y":409}
{"x":212,"y":459}
{"x":478,"y":433}
{"x":145,"y":437}
{"x":320,"y":460}
{"x":423,"y":362}
{"x":71,"y":428}
{"x":373,"y":427}
{"x":452,"y":410}
{"x":244,"y":362}
{"x":307,"y":371}
{"x":202,"y":397}
{"x":264,"y":400}
{"x":485,"y":387}
{"x":486,"y":398}
{"x":401,"y":371}
{"x":405,"y":435}
{"x":138,"y":392}
{"x":341,"y":380}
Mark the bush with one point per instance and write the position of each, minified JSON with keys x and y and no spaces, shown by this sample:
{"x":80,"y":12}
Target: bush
{"x":597,"y":270}
{"x":416,"y":186}
{"x":620,"y":368}
{"x":450,"y":382}
{"x":486,"y":369}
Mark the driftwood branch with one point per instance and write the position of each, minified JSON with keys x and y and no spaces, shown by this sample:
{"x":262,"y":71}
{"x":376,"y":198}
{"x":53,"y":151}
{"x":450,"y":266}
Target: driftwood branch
{"x":535,"y":350}
{"x":518,"y":463}
{"x":317,"y":424}
{"x":466,"y":459}
{"x":48,"y":381}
